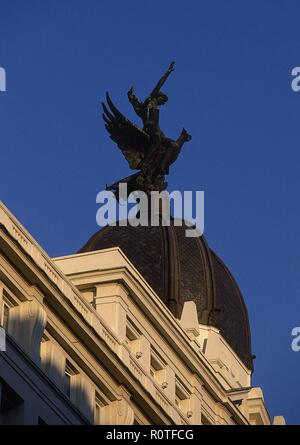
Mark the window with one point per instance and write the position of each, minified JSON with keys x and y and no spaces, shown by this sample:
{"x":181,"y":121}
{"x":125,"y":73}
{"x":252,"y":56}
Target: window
{"x":100,"y":403}
{"x":45,"y":353}
{"x":7,"y":302}
{"x":157,"y":367}
{"x":97,"y":414}
{"x":70,"y":372}
{"x":182,"y":397}
{"x":11,"y":406}
{"x":132,"y":337}
{"x":204,"y":420}
{"x":4,"y":314}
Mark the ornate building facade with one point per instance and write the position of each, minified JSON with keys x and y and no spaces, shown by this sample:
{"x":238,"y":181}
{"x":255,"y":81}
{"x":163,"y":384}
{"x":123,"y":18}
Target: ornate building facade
{"x":147,"y":332}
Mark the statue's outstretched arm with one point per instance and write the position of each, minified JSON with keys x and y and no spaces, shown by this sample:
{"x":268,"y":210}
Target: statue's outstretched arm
{"x":137,"y":105}
{"x":162,"y":80}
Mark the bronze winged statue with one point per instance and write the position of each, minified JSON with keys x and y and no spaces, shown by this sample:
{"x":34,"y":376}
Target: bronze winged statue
{"x":146,"y":149}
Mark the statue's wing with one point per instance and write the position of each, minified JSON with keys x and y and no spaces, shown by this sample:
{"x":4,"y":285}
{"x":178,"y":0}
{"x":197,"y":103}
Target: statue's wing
{"x":132,"y":140}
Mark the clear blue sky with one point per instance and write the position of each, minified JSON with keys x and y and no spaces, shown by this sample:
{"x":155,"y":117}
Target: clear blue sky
{"x":231,"y":90}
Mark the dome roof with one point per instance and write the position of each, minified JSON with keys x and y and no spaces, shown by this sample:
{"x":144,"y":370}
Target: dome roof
{"x":181,"y":269}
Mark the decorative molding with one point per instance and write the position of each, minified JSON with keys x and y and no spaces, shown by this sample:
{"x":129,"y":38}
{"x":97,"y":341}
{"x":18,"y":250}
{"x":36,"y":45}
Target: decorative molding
{"x":26,"y":325}
{"x":53,"y":362}
{"x":119,"y":412}
{"x":83,"y":396}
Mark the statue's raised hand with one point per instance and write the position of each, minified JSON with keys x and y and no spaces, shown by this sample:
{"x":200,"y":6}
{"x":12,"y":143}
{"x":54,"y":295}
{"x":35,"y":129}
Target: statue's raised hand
{"x":130,"y":94}
{"x":171,"y":67}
